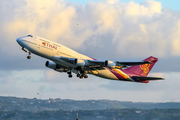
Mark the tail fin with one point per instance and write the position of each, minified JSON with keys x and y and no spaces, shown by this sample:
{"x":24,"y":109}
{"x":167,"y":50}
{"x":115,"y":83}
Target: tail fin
{"x":143,"y":70}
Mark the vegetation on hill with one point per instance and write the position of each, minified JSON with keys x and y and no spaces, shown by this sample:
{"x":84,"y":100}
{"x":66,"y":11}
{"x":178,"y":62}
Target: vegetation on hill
{"x":12,"y":108}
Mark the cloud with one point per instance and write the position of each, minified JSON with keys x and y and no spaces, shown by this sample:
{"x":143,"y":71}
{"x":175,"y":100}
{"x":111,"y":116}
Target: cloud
{"x":108,"y":29}
{"x":154,"y":6}
{"x":129,"y":27}
{"x":109,"y":1}
{"x":176,"y":39}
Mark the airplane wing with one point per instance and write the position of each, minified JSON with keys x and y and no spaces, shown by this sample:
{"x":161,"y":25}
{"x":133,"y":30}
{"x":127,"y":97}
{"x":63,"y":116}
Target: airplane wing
{"x":84,"y":64}
{"x":99,"y":65}
{"x":95,"y":63}
{"x":140,"y":79}
{"x":117,"y":63}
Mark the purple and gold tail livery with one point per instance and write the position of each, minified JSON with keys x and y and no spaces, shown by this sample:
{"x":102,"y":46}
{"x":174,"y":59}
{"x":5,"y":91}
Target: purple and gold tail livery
{"x":143,"y":70}
{"x":64,"y":59}
{"x":139,"y":72}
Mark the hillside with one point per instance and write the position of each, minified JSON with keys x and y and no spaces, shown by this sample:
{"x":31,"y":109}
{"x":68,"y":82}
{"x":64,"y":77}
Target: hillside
{"x":24,"y":104}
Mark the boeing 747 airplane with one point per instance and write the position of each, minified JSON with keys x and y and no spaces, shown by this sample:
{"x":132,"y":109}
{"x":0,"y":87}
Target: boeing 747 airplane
{"x":64,"y":59}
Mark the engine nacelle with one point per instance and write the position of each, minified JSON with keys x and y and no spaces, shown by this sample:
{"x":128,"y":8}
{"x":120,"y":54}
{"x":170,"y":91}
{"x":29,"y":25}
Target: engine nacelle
{"x":110,"y":64}
{"x":51,"y":65}
{"x":80,"y":62}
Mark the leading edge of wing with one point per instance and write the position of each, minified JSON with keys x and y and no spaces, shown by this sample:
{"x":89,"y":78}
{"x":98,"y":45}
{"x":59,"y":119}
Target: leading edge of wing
{"x":138,"y":78}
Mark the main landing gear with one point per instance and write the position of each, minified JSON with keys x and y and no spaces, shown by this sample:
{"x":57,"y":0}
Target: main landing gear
{"x":82,"y":75}
{"x":69,"y":74}
{"x":79,"y":75}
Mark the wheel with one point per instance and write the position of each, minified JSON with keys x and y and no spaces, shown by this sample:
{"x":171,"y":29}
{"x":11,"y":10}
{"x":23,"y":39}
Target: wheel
{"x":69,"y":72}
{"x":81,"y":77}
{"x":28,"y":57}
{"x":85,"y":76}
{"x":78,"y":75}
{"x":70,"y":76}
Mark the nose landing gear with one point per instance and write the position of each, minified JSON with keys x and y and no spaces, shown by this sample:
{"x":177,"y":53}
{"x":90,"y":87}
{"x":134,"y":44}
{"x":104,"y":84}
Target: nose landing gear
{"x":29,"y":56}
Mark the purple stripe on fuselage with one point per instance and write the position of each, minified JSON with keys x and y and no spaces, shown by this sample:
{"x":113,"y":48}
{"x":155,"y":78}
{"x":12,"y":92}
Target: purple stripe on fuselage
{"x":131,"y":74}
{"x":93,"y":58}
{"x":117,"y":74}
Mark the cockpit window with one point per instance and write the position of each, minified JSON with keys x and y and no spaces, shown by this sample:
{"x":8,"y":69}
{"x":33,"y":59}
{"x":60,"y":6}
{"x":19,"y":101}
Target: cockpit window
{"x":30,"y":36}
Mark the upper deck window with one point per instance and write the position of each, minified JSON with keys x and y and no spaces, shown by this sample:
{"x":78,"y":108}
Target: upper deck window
{"x":30,"y":36}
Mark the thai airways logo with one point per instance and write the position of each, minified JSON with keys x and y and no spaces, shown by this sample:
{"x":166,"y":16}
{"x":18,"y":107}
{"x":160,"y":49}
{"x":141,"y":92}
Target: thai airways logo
{"x":49,"y":45}
{"x":44,"y":43}
{"x":145,"y":67}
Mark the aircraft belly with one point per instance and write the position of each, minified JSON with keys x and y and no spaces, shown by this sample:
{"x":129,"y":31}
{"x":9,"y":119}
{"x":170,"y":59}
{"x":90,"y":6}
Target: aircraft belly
{"x":112,"y":74}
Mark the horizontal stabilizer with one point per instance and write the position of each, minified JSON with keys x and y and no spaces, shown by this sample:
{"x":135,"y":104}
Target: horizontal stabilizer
{"x":139,"y":79}
{"x":132,"y":63}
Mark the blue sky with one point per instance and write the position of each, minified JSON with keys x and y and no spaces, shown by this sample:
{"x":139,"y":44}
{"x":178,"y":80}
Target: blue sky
{"x":173,"y":4}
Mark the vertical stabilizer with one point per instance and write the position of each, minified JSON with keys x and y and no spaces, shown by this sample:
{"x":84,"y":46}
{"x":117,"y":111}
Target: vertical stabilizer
{"x":143,"y":70}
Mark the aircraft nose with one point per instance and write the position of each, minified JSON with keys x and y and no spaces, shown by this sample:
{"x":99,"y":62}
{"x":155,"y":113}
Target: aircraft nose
{"x":18,"y":39}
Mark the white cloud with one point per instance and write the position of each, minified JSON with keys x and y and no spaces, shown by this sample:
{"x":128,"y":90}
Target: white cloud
{"x":128,"y":25}
{"x":143,"y":28}
{"x":133,"y":8}
{"x":154,"y":6}
{"x":176,"y":39}
{"x":112,"y":1}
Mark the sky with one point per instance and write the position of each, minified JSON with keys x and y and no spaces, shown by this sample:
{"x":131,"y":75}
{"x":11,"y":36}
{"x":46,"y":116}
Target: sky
{"x":104,"y":29}
{"x":173,"y":4}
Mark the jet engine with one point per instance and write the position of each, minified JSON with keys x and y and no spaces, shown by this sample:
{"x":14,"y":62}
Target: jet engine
{"x":80,"y":62}
{"x":51,"y":65}
{"x":110,"y":64}
{"x":54,"y":66}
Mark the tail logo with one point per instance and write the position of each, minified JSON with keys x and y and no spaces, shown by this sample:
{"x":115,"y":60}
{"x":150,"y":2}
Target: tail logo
{"x":145,"y":67}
